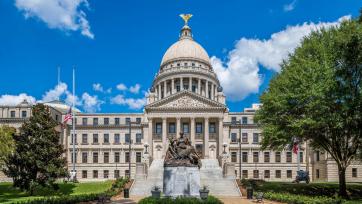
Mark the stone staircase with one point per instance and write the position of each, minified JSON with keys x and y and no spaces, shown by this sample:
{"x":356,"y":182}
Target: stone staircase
{"x":142,"y":187}
{"x":212,"y":177}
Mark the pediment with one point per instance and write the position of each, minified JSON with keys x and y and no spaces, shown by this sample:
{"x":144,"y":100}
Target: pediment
{"x":185,"y":100}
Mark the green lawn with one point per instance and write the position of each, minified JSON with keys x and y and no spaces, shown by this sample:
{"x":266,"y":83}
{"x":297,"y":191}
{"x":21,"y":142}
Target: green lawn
{"x":8,"y":194}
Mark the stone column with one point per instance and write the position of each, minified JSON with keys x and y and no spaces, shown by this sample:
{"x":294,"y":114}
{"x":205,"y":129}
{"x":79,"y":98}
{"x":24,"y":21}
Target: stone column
{"x":159,"y":91}
{"x":178,"y":127}
{"x":206,"y":139}
{"x":221,"y":135}
{"x":190,"y":84}
{"x":164,"y":89}
{"x":164,"y":135}
{"x":199,"y":86}
{"x":192,"y":121}
{"x":181,"y":84}
{"x":212,"y":91}
{"x":207,"y":89}
{"x":150,"y":135}
{"x":173,"y":86}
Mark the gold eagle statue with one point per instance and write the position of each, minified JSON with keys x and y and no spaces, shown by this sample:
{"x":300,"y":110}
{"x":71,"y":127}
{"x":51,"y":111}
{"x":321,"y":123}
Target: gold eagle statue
{"x":186,"y":17}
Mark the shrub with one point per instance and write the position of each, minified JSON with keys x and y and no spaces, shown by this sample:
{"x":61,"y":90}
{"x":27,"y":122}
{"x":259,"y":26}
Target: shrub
{"x":301,"y":199}
{"x":179,"y":200}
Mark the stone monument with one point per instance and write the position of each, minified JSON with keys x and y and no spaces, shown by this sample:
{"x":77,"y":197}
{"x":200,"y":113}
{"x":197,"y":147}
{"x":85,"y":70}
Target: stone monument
{"x":181,"y":175}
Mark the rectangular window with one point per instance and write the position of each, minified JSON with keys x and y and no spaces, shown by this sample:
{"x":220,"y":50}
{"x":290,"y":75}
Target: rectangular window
{"x":138,"y":120}
{"x":116,"y":121}
{"x":244,"y":137}
{"x":106,"y":121}
{"x":244,"y":120}
{"x":198,"y":127}
{"x":12,"y":114}
{"x":278,"y":173}
{"x":126,"y":157}
{"x":95,"y":121}
{"x":95,"y":173}
{"x":289,"y":157}
{"x":57,"y":118}
{"x":185,"y":127}
{"x":354,"y":172}
{"x":212,"y":128}
{"x":233,"y":120}
{"x":128,"y":120}
{"x":106,"y":138}
{"x":178,"y":88}
{"x":84,"y":139}
{"x":105,"y":173}
{"x":233,"y":157}
{"x":317,"y":155}
{"x":245,"y":157}
{"x":84,"y":121}
{"x":138,"y":157}
{"x":106,"y":157}
{"x":256,"y":174}
{"x":171,"y":128}
{"x":84,"y":174}
{"x":255,"y":157}
{"x":233,"y":137}
{"x":126,"y":173}
{"x":116,"y":157}
{"x":84,"y":157}
{"x":255,"y":138}
{"x":117,"y":138}
{"x":266,"y":157}
{"x":245,"y":174}
{"x":138,"y":137}
{"x":95,"y":157}
{"x":95,"y":138}
{"x":23,"y":114}
{"x":301,"y":157}
{"x":158,"y":128}
{"x":266,"y":174}
{"x":317,"y":173}
{"x":289,"y":173}
{"x":116,"y":173}
{"x":127,"y":138}
{"x":277,"y":157}
{"x":193,"y":88}
{"x":73,"y":138}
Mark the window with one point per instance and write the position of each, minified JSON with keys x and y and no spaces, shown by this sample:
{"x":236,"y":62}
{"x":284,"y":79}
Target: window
{"x":84,"y":138}
{"x":105,"y":173}
{"x":289,"y":157}
{"x":56,"y":117}
{"x":198,"y":127}
{"x":84,"y":174}
{"x":171,"y":128}
{"x":138,"y":120}
{"x":127,"y":138}
{"x":158,"y":128}
{"x":95,"y":121}
{"x":116,"y":157}
{"x":256,"y":138}
{"x":177,"y":87}
{"x":245,"y":174}
{"x":354,"y":172}
{"x":117,"y":138}
{"x":185,"y":127}
{"x":23,"y":114}
{"x":245,"y":157}
{"x":106,"y":121}
{"x":301,"y":157}
{"x":185,"y":64}
{"x":244,"y":138}
{"x":84,"y":157}
{"x":278,"y":173}
{"x":266,"y":174}
{"x":244,"y":120}
{"x":277,"y":157}
{"x":256,"y":174}
{"x":289,"y":173}
{"x":138,"y":137}
{"x":84,"y":121}
{"x":12,"y":114}
{"x":128,"y":120}
{"x":233,"y":120}
{"x":116,"y":173}
{"x":212,"y":128}
{"x":106,"y":138}
{"x":95,"y":173}
{"x":126,"y":157}
{"x":233,"y":137}
{"x":193,"y":64}
{"x":317,"y":156}
{"x":193,"y":88}
{"x":266,"y":157}
{"x":138,"y":157}
{"x":73,"y":139}
{"x":116,"y":121}
{"x":126,"y":173}
{"x":95,"y":157}
{"x":255,"y":157}
{"x":233,"y":157}
{"x":95,"y":138}
{"x":317,"y":173}
{"x":106,"y":157}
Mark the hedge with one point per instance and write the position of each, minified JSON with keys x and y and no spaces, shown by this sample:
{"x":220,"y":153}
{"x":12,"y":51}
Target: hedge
{"x":301,"y":199}
{"x":179,"y":200}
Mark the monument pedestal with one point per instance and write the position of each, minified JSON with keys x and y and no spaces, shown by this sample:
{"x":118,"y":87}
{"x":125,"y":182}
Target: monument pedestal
{"x":181,"y":181}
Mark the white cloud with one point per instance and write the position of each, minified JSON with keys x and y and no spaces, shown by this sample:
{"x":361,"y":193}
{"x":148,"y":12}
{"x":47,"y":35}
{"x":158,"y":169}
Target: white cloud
{"x":56,"y":93}
{"x":132,"y":103}
{"x":12,"y":100}
{"x":239,"y":74}
{"x":91,"y":103}
{"x":121,"y":87}
{"x":290,"y":6}
{"x":98,"y":87}
{"x":60,"y":14}
{"x":135,"y":89}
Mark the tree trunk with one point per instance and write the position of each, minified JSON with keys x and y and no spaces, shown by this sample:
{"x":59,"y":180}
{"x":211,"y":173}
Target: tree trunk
{"x":342,"y":182}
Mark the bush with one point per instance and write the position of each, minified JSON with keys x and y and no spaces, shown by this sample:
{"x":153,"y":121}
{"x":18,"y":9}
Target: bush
{"x":300,"y":199}
{"x":119,"y":184}
{"x":179,"y":200}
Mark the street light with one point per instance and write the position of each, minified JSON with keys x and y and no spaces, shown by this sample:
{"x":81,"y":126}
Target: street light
{"x":146,"y":147}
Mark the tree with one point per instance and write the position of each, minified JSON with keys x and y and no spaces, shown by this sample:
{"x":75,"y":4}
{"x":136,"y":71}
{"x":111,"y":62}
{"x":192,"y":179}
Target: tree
{"x":6,"y":142}
{"x":317,"y":97}
{"x":37,"y":159}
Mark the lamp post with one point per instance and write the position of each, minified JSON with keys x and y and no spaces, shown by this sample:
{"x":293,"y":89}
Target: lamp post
{"x":225,"y":145}
{"x":146,"y":148}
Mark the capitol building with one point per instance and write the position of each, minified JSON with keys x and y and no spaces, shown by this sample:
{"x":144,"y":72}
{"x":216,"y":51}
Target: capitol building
{"x":185,"y":96}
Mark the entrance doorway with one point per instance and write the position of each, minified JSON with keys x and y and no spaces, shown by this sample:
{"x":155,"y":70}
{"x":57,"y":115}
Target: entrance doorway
{"x":199,"y":148}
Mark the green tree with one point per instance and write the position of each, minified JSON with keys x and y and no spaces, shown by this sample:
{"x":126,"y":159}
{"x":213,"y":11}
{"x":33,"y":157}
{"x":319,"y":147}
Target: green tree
{"x":317,"y":96}
{"x":6,"y":142}
{"x":37,"y":159}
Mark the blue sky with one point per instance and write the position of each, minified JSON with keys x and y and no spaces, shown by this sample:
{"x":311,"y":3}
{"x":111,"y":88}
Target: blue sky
{"x":120,"y":43}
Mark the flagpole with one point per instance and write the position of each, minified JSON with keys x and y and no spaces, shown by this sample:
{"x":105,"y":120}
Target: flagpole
{"x":73,"y":124}
{"x":298,"y":156}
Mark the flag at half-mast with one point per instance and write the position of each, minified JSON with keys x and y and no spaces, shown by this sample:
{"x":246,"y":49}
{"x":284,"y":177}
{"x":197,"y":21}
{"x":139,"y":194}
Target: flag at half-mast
{"x":68,"y":116}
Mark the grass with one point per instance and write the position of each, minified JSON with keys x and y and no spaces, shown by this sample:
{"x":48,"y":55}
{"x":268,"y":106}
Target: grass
{"x":9,"y":194}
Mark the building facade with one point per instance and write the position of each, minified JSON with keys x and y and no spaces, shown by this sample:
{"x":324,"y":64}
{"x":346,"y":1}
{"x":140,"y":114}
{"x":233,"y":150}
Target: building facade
{"x":185,"y":96}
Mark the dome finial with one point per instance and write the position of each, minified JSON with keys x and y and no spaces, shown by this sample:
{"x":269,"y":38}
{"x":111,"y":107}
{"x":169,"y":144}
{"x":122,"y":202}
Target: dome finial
{"x":186,"y":17}
{"x":186,"y":30}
